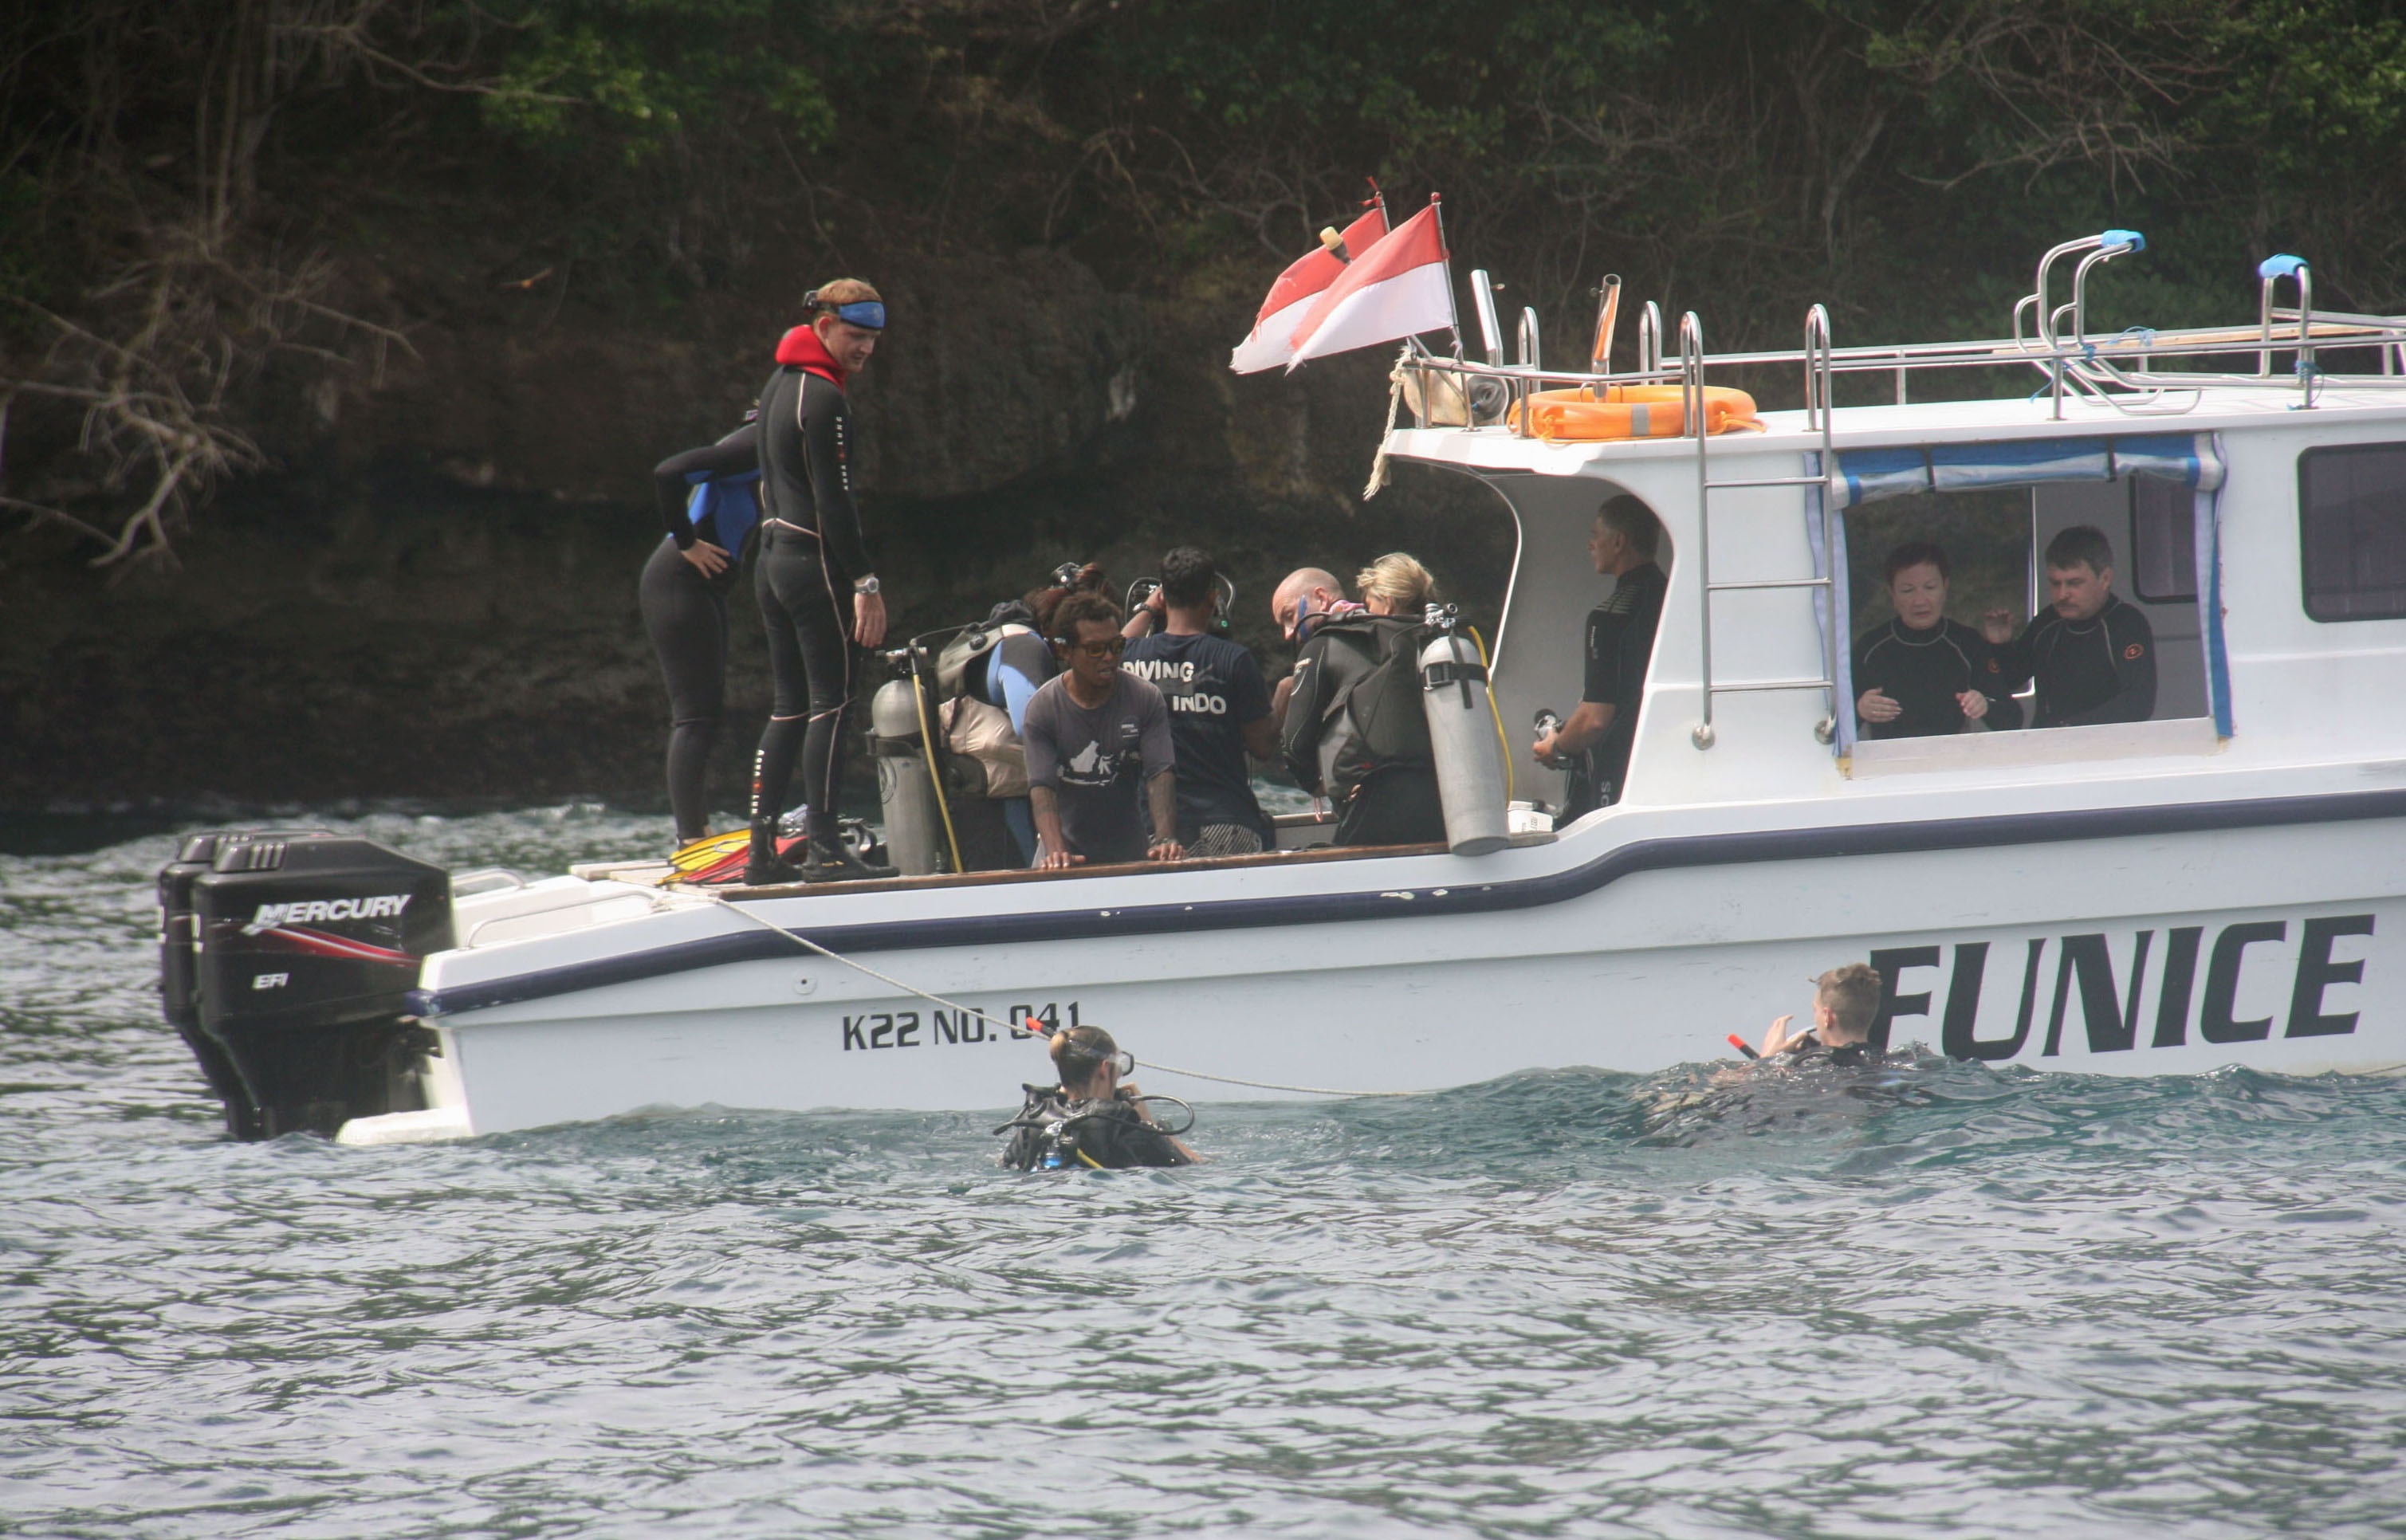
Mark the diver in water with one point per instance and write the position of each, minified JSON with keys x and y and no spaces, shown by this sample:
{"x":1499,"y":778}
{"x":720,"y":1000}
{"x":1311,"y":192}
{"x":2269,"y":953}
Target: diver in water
{"x":1845,"y":1001}
{"x":1091,"y":1118}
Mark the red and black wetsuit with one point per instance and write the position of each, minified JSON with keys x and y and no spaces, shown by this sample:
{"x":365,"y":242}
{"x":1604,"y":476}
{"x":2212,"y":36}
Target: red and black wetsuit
{"x":811,"y":551}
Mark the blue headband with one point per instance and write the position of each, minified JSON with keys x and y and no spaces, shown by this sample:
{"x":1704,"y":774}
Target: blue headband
{"x":867,"y":313}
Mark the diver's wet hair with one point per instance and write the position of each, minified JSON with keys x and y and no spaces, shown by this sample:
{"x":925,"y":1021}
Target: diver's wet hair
{"x":1852,"y":993}
{"x":1188,"y":577}
{"x":1078,"y":1052}
{"x":1917,"y":553}
{"x":2081,"y":545}
{"x":1633,"y":521}
{"x":1083,"y":606}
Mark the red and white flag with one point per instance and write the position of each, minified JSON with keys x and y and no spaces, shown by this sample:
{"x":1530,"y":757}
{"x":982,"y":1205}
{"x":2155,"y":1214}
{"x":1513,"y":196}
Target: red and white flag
{"x":1290,"y":298}
{"x":1397,"y":289}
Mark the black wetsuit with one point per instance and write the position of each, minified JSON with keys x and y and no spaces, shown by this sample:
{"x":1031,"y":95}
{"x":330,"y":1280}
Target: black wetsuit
{"x":1396,"y":804}
{"x":811,"y":551}
{"x":686,"y":615}
{"x":2088,"y":671}
{"x":1923,"y":671}
{"x":1054,"y":1130}
{"x":1619,"y":645}
{"x":1810,"y":1048}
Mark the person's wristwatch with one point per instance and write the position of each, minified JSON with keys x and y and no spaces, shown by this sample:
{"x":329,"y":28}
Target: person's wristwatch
{"x":864,"y":587}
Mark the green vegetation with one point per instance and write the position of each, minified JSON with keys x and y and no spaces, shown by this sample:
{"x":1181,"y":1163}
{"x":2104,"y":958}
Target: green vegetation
{"x":199,"y":198}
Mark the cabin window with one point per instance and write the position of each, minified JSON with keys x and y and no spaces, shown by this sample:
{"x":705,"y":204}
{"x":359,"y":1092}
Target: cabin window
{"x":2352,"y":532}
{"x":2163,"y":540}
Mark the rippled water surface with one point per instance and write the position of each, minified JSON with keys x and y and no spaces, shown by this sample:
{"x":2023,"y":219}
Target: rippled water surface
{"x":1572,"y":1304}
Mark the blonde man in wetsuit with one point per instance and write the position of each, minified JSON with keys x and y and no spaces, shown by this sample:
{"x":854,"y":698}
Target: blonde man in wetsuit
{"x":1845,"y":1001}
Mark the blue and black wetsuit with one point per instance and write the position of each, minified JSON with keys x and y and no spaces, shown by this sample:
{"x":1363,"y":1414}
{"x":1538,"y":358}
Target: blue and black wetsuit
{"x":705,"y":494}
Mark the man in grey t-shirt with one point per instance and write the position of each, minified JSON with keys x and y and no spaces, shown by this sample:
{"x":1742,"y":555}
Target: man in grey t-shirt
{"x":1095,"y":736}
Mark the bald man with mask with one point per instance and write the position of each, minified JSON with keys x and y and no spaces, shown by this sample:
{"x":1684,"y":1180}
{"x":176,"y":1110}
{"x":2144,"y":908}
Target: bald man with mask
{"x":1304,"y":598}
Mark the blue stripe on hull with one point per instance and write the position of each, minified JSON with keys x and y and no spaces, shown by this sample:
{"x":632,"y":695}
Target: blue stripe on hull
{"x":1670,"y":854}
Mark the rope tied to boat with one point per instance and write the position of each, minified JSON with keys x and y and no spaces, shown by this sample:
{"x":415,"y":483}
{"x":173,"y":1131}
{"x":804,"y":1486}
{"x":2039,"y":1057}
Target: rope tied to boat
{"x":859,"y":966}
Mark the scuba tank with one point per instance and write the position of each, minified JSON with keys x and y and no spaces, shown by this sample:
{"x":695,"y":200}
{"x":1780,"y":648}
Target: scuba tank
{"x":915,"y":826}
{"x":1464,"y":737}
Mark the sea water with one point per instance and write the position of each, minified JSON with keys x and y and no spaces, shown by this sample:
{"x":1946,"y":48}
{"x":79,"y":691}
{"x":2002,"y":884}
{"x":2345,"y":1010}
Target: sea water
{"x":1948,"y":1302}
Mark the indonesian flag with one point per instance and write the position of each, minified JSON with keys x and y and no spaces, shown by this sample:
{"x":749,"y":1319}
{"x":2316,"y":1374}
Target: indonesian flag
{"x":1290,"y":298}
{"x":1397,"y":289}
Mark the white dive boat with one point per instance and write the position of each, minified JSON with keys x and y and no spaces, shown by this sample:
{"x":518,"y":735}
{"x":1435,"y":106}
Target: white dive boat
{"x":2223,"y":884}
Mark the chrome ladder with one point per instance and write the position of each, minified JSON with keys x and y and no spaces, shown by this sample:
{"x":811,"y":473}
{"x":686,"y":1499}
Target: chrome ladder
{"x":1816,"y":414}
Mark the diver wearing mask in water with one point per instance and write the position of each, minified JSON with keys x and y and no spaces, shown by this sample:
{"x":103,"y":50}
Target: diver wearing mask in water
{"x":1091,"y":1118}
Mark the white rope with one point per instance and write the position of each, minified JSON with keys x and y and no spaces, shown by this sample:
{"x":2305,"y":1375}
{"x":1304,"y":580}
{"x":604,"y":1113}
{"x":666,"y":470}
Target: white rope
{"x":724,"y":902}
{"x":1394,"y":398}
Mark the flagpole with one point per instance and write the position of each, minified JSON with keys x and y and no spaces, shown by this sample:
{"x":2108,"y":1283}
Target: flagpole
{"x":1452,"y":313}
{"x":1378,"y":199}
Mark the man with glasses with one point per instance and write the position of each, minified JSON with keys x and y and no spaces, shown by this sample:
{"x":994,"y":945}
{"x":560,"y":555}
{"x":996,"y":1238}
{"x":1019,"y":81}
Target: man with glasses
{"x":1098,"y":749}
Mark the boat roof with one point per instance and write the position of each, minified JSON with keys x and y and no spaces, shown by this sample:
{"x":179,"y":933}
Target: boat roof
{"x":1497,"y":448}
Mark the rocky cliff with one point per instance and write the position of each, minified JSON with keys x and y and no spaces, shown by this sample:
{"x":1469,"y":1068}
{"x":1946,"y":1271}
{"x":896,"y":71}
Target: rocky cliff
{"x":433,"y":596}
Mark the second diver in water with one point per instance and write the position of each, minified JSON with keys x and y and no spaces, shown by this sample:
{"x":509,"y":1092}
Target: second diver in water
{"x":1091,"y":1118}
{"x":1845,"y":1001}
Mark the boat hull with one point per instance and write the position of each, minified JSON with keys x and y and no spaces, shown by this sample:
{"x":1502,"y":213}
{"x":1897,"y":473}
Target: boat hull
{"x":2272,"y":945}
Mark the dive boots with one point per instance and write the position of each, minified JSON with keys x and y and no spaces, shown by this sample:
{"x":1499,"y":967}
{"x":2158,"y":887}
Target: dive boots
{"x":831,"y":861}
{"x":764,"y":862}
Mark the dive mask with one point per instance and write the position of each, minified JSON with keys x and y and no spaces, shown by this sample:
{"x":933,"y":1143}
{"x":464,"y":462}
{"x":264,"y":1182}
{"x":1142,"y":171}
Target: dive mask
{"x":863,"y":313}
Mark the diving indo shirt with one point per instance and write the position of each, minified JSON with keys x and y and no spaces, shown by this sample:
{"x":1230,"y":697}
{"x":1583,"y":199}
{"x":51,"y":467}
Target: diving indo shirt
{"x":1214,"y":691}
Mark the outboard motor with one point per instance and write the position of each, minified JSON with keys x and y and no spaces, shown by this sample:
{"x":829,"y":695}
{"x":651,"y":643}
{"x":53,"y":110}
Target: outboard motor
{"x":303,"y":946}
{"x":915,"y":826}
{"x":1465,"y":740}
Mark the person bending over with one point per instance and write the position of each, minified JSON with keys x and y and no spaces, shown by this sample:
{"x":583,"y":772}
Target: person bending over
{"x":708,"y":500}
{"x":1355,"y":730}
{"x":1098,"y":749}
{"x":1017,"y":664}
{"x":819,"y":601}
{"x":1219,"y":711}
{"x":1090,"y":1119}
{"x":1922,"y":674}
{"x":1596,"y":739}
{"x":2093,"y":655}
{"x":1303,"y":598}
{"x":1845,"y":1001}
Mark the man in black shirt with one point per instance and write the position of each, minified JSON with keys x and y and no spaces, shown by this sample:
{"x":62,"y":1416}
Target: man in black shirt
{"x":2093,"y":655}
{"x":1219,"y":711}
{"x":1620,"y":644}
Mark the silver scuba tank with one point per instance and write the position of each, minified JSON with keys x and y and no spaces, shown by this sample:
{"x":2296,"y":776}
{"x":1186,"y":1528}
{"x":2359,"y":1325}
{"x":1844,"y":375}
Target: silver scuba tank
{"x":1469,"y":751}
{"x":915,"y":826}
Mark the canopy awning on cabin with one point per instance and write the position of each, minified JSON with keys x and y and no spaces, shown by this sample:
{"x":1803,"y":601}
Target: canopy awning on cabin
{"x":1867,"y":476}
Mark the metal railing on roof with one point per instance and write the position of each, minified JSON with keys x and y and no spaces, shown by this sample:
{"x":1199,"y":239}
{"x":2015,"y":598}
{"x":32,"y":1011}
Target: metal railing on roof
{"x":2123,"y":370}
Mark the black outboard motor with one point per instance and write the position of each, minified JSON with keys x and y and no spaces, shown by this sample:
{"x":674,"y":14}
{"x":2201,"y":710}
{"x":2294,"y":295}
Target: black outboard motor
{"x":285,"y":958}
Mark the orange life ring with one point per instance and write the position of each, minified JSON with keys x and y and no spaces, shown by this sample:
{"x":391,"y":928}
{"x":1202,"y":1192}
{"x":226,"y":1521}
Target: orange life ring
{"x":1585,"y":414}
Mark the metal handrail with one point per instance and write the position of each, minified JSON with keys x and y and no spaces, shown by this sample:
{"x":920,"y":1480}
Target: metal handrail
{"x":1818,"y":412}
